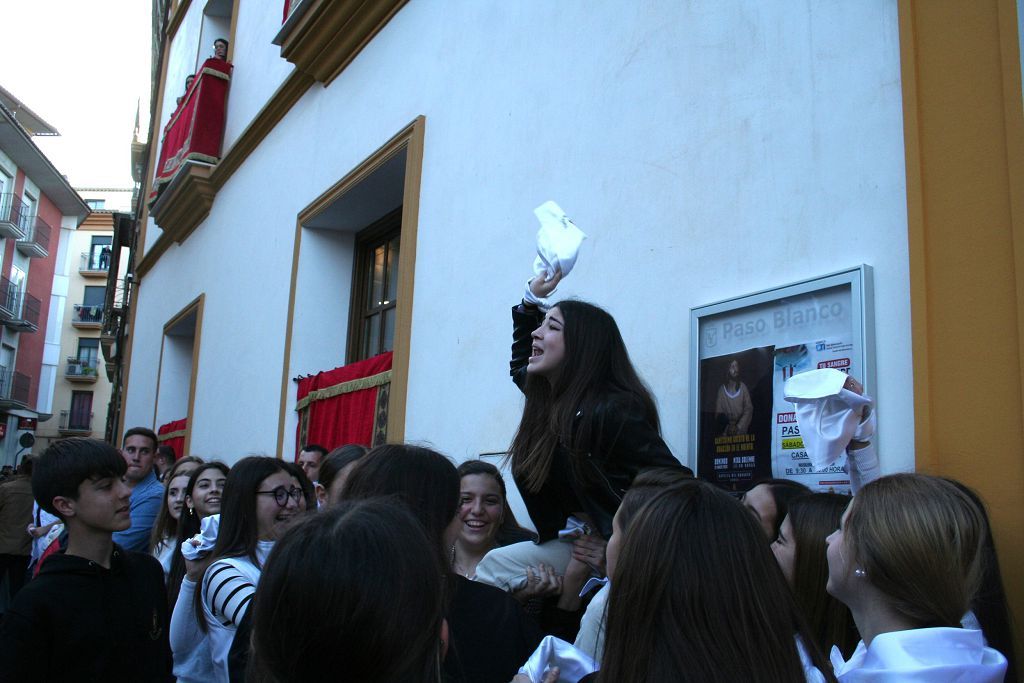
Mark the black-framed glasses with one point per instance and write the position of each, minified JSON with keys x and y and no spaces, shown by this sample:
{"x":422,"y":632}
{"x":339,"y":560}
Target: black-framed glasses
{"x":281,"y":495}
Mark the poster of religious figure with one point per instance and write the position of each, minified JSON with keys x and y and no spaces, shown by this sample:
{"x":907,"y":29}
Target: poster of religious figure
{"x":735,"y":414}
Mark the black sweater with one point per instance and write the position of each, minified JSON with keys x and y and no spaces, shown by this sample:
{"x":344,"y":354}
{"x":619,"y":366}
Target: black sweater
{"x":624,"y":444}
{"x":78,"y":621}
{"x":491,"y":636}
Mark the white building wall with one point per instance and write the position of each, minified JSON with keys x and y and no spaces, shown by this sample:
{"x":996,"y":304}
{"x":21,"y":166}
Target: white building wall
{"x":259,"y":69}
{"x":709,"y":149}
{"x":65,"y":263}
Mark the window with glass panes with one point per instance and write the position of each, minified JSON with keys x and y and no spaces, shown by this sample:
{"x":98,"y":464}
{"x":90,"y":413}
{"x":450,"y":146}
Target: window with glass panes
{"x":88,"y":350}
{"x":375,"y":289}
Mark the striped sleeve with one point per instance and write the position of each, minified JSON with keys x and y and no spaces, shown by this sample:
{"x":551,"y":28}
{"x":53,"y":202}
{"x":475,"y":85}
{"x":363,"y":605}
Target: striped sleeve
{"x":227,"y":594}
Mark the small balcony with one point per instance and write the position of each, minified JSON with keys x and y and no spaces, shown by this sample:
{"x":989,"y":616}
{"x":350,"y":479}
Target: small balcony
{"x":74,"y":425}
{"x":95,"y":263}
{"x":14,"y":388}
{"x":36,"y":242}
{"x":87,"y":317}
{"x":18,"y":310}
{"x":81,"y":370}
{"x":195,"y":129}
{"x":12,"y":216}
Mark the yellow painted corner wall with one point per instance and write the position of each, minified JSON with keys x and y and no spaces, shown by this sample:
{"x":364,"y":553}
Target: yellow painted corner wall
{"x":964,"y":133}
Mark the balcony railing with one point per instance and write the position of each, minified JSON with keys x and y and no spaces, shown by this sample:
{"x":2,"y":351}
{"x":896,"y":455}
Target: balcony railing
{"x":78,"y":424}
{"x":18,"y":310}
{"x":81,"y":369}
{"x":13,"y":216}
{"x":87,"y":316}
{"x":14,"y":387}
{"x":96,"y":262}
{"x":36,"y":242}
{"x":195,"y":130}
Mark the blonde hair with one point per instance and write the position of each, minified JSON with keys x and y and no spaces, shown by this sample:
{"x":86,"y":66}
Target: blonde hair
{"x":918,"y":539}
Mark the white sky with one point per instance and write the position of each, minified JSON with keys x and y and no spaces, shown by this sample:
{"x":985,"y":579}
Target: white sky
{"x":82,"y":67}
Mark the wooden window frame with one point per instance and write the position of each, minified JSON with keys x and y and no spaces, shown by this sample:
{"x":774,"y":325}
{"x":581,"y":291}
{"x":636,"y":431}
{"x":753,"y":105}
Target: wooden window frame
{"x":71,"y":410}
{"x":367,"y":240}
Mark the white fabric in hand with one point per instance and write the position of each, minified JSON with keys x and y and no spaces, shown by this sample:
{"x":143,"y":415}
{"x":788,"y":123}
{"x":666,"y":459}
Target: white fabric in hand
{"x":573,"y":663}
{"x":829,"y":415}
{"x":558,"y":243}
{"x":202,"y":543}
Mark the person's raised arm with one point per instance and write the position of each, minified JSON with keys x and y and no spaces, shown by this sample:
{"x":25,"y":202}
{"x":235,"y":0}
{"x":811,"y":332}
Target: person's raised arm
{"x":527,"y":317}
{"x":861,"y":458}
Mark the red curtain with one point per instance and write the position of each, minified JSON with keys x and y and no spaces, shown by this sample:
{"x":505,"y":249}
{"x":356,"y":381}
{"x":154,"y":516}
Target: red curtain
{"x":173,"y":434}
{"x":345,"y":405}
{"x":196,"y":128}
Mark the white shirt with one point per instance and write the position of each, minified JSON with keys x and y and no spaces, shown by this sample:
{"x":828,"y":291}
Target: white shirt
{"x":228,"y":587}
{"x":932,"y":655}
{"x":189,"y":645}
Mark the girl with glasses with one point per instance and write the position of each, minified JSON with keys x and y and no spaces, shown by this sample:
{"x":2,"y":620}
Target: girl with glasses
{"x":261,"y":500}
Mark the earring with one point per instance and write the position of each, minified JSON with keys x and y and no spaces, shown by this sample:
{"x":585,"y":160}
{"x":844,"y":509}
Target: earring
{"x":859,"y":572}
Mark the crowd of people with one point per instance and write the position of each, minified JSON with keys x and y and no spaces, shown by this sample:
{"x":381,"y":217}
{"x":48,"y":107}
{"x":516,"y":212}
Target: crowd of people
{"x":394,"y":565}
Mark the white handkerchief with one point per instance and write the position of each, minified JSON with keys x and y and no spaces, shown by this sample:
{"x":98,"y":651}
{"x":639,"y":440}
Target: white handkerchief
{"x":574,"y":528}
{"x":829,"y":415}
{"x":573,"y":663}
{"x":202,"y":543}
{"x":558,"y":241}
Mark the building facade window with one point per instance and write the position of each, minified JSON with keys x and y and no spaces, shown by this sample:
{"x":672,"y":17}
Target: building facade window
{"x":80,"y":415}
{"x":88,"y":350}
{"x":375,"y":289}
{"x":94,"y":296}
{"x":29,"y":204}
{"x":99,"y":252}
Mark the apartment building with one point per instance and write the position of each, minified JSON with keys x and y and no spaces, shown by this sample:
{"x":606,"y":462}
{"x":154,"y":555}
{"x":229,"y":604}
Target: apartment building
{"x":83,"y":391}
{"x":39,"y":211}
{"x":343,"y":198}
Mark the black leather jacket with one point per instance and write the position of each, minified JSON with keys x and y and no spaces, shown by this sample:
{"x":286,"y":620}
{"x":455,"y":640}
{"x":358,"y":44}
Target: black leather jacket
{"x":628,"y":444}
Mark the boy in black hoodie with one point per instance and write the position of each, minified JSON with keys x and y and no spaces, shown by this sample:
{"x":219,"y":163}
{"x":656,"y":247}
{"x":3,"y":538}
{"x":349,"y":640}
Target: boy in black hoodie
{"x":95,"y":612}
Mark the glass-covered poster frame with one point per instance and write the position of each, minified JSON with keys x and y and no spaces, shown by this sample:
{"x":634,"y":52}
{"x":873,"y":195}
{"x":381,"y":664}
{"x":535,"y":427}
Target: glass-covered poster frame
{"x":741,"y":428}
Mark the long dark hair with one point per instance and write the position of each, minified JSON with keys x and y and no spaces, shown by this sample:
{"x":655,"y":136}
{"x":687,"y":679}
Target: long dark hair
{"x":813,"y":517}
{"x":166,"y":527}
{"x":188,"y":526}
{"x":510,"y":530}
{"x":563,"y":410}
{"x":783,"y":491}
{"x":421,"y":478}
{"x":308,"y":492}
{"x":238,"y":534}
{"x":697,"y":596}
{"x":337,"y":460}
{"x":350,"y":570}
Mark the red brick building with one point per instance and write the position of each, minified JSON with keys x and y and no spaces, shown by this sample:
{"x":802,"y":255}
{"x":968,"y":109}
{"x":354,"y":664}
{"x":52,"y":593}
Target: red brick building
{"x":38,"y":210}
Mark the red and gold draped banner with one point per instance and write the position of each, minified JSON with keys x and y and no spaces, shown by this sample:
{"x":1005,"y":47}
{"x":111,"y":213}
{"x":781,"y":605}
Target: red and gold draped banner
{"x":173,"y":434}
{"x":345,"y":405}
{"x":195,"y":130}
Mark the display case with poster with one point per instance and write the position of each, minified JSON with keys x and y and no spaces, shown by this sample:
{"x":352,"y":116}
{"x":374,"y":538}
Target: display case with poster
{"x":741,"y":428}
